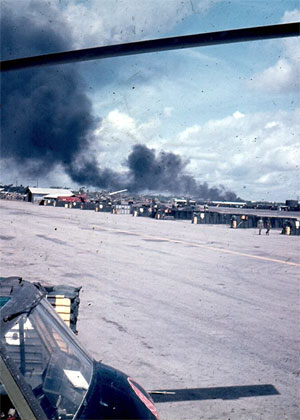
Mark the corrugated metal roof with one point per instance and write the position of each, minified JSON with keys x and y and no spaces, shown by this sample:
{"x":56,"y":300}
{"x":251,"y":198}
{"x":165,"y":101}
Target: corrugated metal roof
{"x":54,"y":191}
{"x":56,"y":195}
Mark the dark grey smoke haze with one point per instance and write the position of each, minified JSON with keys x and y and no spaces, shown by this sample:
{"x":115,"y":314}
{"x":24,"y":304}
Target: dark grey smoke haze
{"x":46,"y":114}
{"x":47,"y":120}
{"x":165,"y":172}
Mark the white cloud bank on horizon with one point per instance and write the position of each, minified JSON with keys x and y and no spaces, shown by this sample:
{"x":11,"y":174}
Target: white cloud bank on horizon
{"x":260,"y":151}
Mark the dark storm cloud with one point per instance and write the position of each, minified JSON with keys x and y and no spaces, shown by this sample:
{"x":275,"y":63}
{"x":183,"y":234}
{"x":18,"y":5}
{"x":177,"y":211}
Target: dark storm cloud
{"x":47,"y":117}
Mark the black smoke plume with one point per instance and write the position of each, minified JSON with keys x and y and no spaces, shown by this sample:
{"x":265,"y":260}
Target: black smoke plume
{"x":46,"y":115}
{"x":166,"y":173}
{"x":47,"y":118}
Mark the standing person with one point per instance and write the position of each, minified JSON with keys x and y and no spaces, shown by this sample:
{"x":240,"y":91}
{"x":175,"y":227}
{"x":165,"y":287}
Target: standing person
{"x":260,"y":226}
{"x":268,"y":226}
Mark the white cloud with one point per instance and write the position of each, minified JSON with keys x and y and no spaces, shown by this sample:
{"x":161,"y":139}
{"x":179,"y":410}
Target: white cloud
{"x":284,"y":75}
{"x":272,"y":124}
{"x":237,"y":115}
{"x":245,"y":151}
{"x":291,"y":16}
{"x":168,"y":110}
{"x":267,"y":178}
{"x":92,"y":23}
{"x":121,"y":120}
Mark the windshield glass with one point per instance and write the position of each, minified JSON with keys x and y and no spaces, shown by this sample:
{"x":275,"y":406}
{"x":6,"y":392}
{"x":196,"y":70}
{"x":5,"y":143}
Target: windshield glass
{"x":52,"y":363}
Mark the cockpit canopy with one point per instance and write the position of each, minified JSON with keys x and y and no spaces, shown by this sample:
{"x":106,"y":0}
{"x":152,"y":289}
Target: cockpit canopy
{"x":44,"y":352}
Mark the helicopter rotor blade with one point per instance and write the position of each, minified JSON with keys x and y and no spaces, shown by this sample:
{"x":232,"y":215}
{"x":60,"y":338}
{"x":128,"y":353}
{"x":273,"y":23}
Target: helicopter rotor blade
{"x":155,"y":45}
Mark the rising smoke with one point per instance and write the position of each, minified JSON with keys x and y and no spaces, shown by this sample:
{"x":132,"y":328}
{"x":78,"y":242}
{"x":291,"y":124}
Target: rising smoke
{"x":166,"y":172}
{"x":47,"y":120}
{"x":46,"y":114}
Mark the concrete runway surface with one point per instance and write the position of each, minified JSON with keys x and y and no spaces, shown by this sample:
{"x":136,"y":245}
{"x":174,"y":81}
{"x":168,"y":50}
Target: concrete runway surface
{"x":207,"y":313}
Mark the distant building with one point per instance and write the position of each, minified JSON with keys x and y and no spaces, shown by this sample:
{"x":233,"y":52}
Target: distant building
{"x":35,"y":195}
{"x":228,"y":203}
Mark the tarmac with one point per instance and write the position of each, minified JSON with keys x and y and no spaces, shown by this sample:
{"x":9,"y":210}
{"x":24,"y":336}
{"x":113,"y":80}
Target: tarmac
{"x":204,"y":314}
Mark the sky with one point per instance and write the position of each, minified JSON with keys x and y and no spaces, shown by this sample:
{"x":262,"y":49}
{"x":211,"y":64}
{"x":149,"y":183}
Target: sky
{"x":230,"y":112}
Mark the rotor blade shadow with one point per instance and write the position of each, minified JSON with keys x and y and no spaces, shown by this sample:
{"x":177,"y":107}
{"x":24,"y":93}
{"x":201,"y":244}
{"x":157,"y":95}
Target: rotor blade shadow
{"x":224,"y":393}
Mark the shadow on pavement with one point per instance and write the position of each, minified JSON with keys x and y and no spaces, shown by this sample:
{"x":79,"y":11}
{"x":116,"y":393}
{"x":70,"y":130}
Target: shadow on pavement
{"x":224,"y":393}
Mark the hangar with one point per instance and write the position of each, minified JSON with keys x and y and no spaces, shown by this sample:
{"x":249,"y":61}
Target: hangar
{"x":35,"y":195}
